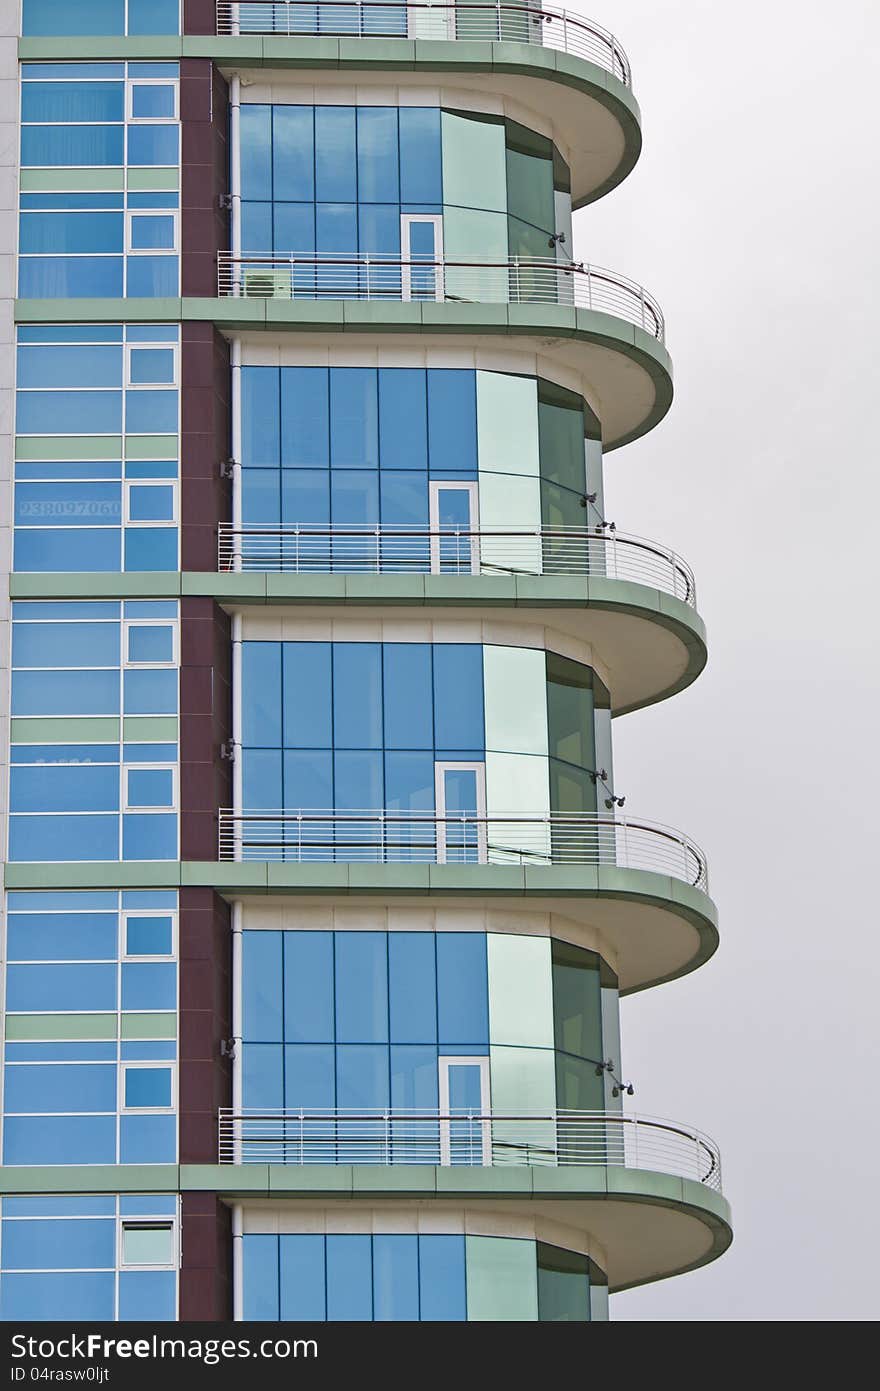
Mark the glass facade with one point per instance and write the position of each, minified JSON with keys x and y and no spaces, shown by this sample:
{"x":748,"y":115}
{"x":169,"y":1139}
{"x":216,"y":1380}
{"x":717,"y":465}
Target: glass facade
{"x":42,"y":18}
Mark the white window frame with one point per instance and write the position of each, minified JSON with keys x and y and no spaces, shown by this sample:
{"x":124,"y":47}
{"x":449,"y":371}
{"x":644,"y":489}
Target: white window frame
{"x":132,"y":82}
{"x":150,"y":768}
{"x":139,"y":1066}
{"x":162,"y":347}
{"x":471,"y":487}
{"x":444,"y":1062}
{"x":125,"y":954}
{"x":128,"y":664}
{"x":406,"y":222}
{"x":130,"y":250}
{"x":454,"y":765}
{"x":129,"y":483}
{"x":135,"y":1220}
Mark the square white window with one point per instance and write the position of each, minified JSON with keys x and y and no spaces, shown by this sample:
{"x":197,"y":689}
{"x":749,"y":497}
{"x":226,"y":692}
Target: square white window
{"x":150,"y":503}
{"x":149,"y":643}
{"x":149,"y":936}
{"x":149,"y":787}
{"x":152,"y":99}
{"x":151,"y":231}
{"x":150,"y":365}
{"x":147,"y":1087}
{"x":146,"y":1243}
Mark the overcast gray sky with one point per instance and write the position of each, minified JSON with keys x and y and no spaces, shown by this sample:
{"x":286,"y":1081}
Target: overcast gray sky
{"x":753,"y":216}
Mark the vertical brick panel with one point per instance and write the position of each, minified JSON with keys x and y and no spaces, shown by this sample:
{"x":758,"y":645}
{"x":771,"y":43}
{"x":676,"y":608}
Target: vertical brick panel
{"x":206,"y":1267}
{"x":204,"y":174}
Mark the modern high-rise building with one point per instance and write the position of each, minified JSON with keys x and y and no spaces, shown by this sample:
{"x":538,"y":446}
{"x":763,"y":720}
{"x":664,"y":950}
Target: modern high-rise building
{"x":320,"y":893}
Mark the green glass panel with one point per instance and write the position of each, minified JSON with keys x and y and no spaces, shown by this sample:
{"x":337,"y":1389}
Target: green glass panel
{"x":570,"y":735}
{"x":563,"y":1285}
{"x":157,"y":1025}
{"x":144,"y":1244}
{"x":520,"y":990}
{"x":151,"y":447}
{"x":150,"y":179}
{"x":90,"y":730}
{"x":516,"y":700}
{"x":502,"y":1282}
{"x":474,"y":163}
{"x":73,"y":447}
{"x":149,"y":729}
{"x":530,"y":189}
{"x":507,"y":428}
{"x":577,"y":1013}
{"x":60,"y":1026}
{"x":71,"y":180}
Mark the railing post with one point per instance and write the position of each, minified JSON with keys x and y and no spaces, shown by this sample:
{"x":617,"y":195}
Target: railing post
{"x":387,"y":1138}
{"x":378,"y":549}
{"x":302,"y":1152}
{"x":296,"y":550}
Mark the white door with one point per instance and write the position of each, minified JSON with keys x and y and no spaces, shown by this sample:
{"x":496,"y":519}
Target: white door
{"x":421,"y":251}
{"x":454,"y":519}
{"x":465,"y":1127}
{"x":460,"y":799}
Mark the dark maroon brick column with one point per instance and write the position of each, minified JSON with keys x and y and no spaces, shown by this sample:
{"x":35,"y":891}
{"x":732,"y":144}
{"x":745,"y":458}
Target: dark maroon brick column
{"x":206,"y":1267}
{"x":206,"y":497}
{"x":199,"y":17}
{"x":204,"y":174}
{"x":205,"y":724}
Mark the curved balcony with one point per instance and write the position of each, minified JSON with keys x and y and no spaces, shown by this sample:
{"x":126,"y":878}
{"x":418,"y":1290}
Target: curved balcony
{"x":545,"y":26}
{"x":550,"y":551}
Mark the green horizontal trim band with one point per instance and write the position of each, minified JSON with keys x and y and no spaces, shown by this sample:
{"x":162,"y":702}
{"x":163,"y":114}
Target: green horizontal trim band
{"x":457,"y":56}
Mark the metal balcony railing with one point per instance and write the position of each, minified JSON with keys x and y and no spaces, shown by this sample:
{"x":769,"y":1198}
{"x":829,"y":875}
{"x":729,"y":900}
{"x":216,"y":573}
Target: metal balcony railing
{"x":310,"y":836}
{"x":542,"y":25}
{"x":476,"y":1138}
{"x":556,"y":551}
{"x":492,"y":280}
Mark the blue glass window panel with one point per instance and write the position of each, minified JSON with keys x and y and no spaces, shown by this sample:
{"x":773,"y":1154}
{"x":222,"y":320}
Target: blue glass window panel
{"x":261,"y":989}
{"x":68,"y":146}
{"x":261,"y":689}
{"x":460,"y":790}
{"x":59,"y":366}
{"x":150,"y":787}
{"x":404,"y":503}
{"x":56,"y":550}
{"x":395,"y":1278}
{"x":349,"y":1279}
{"x":147,"y":1205}
{"x":150,"y":608}
{"x":149,"y":936}
{"x":64,"y":753}
{"x":84,"y":788}
{"x":453,"y":507}
{"x":357,"y":781}
{"x":56,"y":233}
{"x":59,"y":1140}
{"x":362,"y":1075}
{"x":147,"y":1294}
{"x":305,"y":417}
{"x":377,"y":159}
{"x":61,"y":1052}
{"x":71,"y":201}
{"x":354,"y":417}
{"x":151,"y":277}
{"x":412,"y":987}
{"x":41,"y":839}
{"x":293,"y":153}
{"x":152,"y":231}
{"x":60,"y":987}
{"x":65,"y":693}
{"x":355,"y":502}
{"x":60,"y":936}
{"x":150,"y":692}
{"x":158,"y":468}
{"x":379,"y":234}
{"x":256,"y":230}
{"x":308,"y":780}
{"x":307,"y":683}
{"x":155,"y":145}
{"x":260,"y":497}
{"x":336,"y":233}
{"x":262,"y":1075}
{"x":442,"y":1278}
{"x":146,"y":1087}
{"x":149,"y":898}
{"x":147,"y":1139}
{"x":150,"y":1051}
{"x":462,"y":989}
{"x":305,"y":497}
{"x":151,"y":365}
{"x":152,"y":101}
{"x":68,"y":504}
{"x":361,"y":987}
{"x":149,"y":836}
{"x":83,"y":1295}
{"x":414,"y":1079}
{"x":72,"y":102}
{"x":65,"y":644}
{"x":335,"y":164}
{"x":308,"y":987}
{"x":56,"y":1206}
{"x":403,"y":418}
{"x":64,"y":1087}
{"x":421,"y":179}
{"x":293,"y":231}
{"x":409,"y":786}
{"x":465,"y":1087}
{"x":458,"y":696}
{"x":408,"y":695}
{"x":357,"y":696}
{"x":261,"y":779}
{"x":309,"y":1076}
{"x":260,"y":415}
{"x":149,"y":985}
{"x":301,"y":1263}
{"x":256,"y":151}
{"x":153,"y":17}
{"x":151,"y":549}
{"x":260,"y":1274}
{"x":60,"y":1245}
{"x":64,"y":609}
{"x":149,"y":753}
{"x":83,"y":413}
{"x":46,"y":18}
{"x":452,"y":421}
{"x":151,"y":643}
{"x":151,"y":412}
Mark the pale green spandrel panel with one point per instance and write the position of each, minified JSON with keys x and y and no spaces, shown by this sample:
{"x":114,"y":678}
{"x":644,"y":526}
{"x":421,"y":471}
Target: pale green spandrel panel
{"x":562,"y":215}
{"x":152,"y":179}
{"x":72,"y":180}
{"x":88,"y":729}
{"x":61,"y":1026}
{"x":507,"y":425}
{"x":611,"y":1044}
{"x":475,"y":237}
{"x":512,"y":502}
{"x":522,"y":1080}
{"x":474,"y":163}
{"x":515,"y":694}
{"x":69,"y":447}
{"x":502,"y":1279}
{"x":149,"y":729}
{"x":158,"y":1025}
{"x":598,"y":1303}
{"x":151,"y":447}
{"x":517,"y":784}
{"x":520,"y":990}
